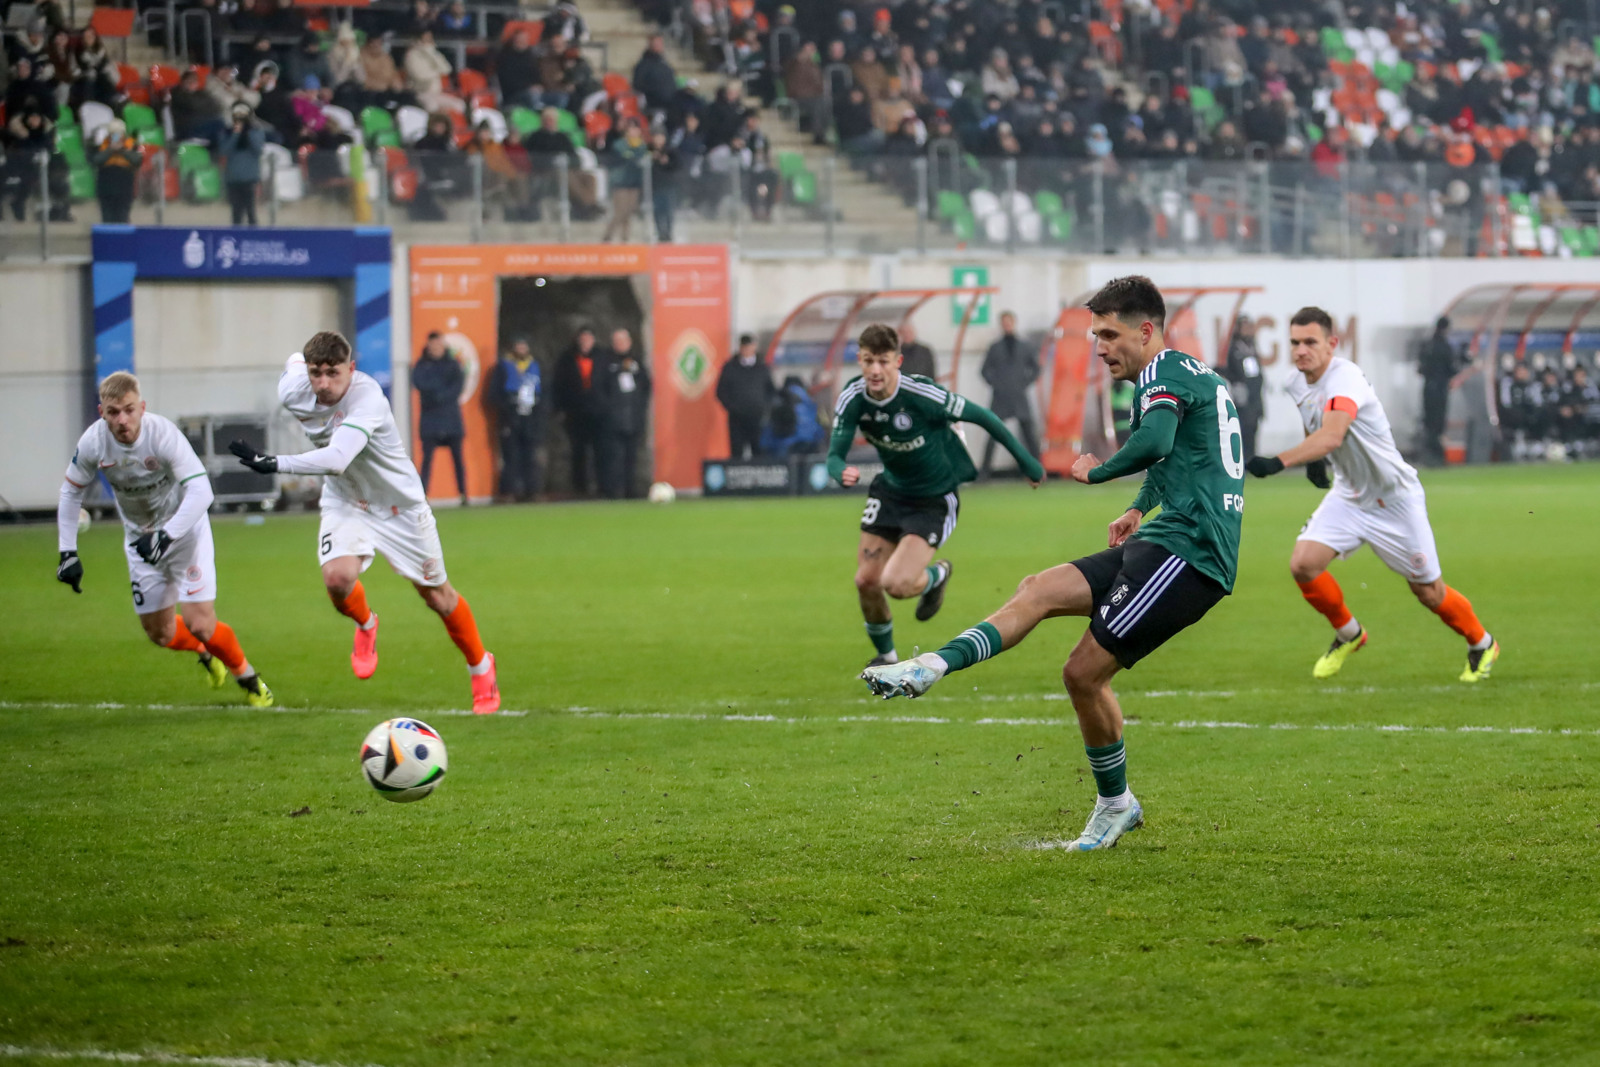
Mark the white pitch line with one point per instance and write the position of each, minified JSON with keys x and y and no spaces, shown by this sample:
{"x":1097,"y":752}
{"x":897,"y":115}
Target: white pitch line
{"x":582,"y":712}
{"x":105,"y":1055}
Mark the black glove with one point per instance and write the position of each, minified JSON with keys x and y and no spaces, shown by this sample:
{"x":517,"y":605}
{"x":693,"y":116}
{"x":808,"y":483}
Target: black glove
{"x":70,"y":571}
{"x":253,"y":459}
{"x":1264,"y":466}
{"x":153,"y":546}
{"x":1317,"y":472}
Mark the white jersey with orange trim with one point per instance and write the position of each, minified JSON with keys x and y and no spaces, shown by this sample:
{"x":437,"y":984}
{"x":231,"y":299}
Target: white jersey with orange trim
{"x":146,"y":477}
{"x":1367,"y":466}
{"x":379,"y":478}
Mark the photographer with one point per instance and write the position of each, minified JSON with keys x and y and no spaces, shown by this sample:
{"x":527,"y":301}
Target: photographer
{"x":242,"y":143}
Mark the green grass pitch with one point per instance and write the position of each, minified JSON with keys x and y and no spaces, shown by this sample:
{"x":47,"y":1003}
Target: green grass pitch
{"x":701,"y":842}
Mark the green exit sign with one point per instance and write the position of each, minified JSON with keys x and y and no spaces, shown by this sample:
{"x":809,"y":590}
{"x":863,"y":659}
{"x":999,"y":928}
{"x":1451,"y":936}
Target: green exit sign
{"x":969,"y":278}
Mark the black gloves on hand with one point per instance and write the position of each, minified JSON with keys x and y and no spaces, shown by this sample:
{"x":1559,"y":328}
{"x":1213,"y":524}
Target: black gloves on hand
{"x":153,"y":546}
{"x":1264,"y":466}
{"x":253,"y":459}
{"x":70,"y":571}
{"x":1317,"y":473}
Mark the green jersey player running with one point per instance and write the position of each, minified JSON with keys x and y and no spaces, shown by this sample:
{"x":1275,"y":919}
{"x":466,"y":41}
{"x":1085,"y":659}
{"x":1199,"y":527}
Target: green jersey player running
{"x":912,"y":506}
{"x":1157,"y":577}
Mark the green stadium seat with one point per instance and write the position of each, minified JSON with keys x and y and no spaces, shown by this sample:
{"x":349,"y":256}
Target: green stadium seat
{"x":1591,"y":240}
{"x":1047,"y":202}
{"x":1572,"y":240}
{"x":567,"y":122}
{"x":577,"y":138}
{"x":374,"y":120}
{"x":139,"y":117}
{"x":80,"y":182}
{"x":791,"y":163}
{"x":1405,"y":72}
{"x":192,"y":158}
{"x":386,"y":139}
{"x":70,"y":144}
{"x":950,"y":204}
{"x":964,"y":225}
{"x":1491,"y":47}
{"x":65,"y":119}
{"x":1059,"y":226}
{"x":523,"y":120}
{"x":153,"y":135}
{"x":803,"y":188}
{"x":206,"y":185}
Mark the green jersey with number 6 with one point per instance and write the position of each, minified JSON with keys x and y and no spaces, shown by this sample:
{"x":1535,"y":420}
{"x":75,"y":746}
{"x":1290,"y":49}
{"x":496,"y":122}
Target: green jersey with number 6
{"x":1200,"y":483}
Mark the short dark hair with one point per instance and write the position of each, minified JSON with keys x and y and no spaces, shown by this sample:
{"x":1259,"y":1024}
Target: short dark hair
{"x":1133,"y":298}
{"x":747,"y":339}
{"x":327,"y":349}
{"x":1313,"y":316}
{"x":880,"y":338}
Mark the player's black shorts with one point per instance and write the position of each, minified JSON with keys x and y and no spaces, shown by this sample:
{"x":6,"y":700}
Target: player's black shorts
{"x":892,"y":515}
{"x":1143,"y":595}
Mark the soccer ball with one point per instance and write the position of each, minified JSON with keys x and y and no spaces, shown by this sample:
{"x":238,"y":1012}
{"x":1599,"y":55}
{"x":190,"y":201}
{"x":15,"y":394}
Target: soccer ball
{"x":662,"y":493}
{"x":83,"y":520}
{"x":404,"y":759}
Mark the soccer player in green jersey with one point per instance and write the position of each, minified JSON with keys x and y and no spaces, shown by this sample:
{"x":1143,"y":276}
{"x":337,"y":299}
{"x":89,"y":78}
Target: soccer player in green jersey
{"x":912,"y":506}
{"x":1158,"y":577}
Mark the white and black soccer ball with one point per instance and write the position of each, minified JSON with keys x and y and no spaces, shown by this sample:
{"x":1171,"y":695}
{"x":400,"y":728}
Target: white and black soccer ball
{"x":404,"y":759}
{"x":662,"y":493}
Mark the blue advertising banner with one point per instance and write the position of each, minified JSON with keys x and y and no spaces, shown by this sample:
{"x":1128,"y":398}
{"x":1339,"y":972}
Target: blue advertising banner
{"x":124,"y":254}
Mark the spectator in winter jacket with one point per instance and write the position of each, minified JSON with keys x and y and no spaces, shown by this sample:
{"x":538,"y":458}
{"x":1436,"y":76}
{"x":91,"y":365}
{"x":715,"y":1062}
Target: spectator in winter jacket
{"x":438,"y":379}
{"x":1243,"y":371}
{"x":653,"y":76}
{"x":516,"y":395}
{"x":915,"y":357}
{"x":1437,"y":363}
{"x":116,"y":163}
{"x":745,"y":391}
{"x":629,"y":156}
{"x":517,"y":69}
{"x":802,"y":79}
{"x":242,"y":144}
{"x":196,"y":114}
{"x":226,"y":89}
{"x":624,"y":388}
{"x":426,"y":70}
{"x":1010,"y":367}
{"x":575,"y":391}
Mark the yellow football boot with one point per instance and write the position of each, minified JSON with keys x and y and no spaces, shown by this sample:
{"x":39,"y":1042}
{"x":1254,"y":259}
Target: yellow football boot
{"x":216,"y":673}
{"x":1480,"y":662}
{"x":1333,"y":659}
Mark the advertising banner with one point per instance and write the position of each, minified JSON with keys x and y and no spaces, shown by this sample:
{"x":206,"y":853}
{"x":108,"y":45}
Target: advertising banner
{"x":455,"y":290}
{"x":690,"y":328}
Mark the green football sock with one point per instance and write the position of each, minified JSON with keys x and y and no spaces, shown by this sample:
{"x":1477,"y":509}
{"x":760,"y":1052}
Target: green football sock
{"x":936,"y":574}
{"x":972,"y":646}
{"x":1110,"y":766}
{"x":882,"y":635}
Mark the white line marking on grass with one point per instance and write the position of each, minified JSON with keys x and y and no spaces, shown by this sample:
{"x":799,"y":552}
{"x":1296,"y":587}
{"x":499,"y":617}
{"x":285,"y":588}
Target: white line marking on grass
{"x":823,"y":720}
{"x":16,"y":1052}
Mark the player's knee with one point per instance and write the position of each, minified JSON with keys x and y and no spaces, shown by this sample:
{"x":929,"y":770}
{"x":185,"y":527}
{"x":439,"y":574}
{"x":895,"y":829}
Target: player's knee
{"x":162,"y":635}
{"x":869,"y":582}
{"x":202,"y":631}
{"x":1078,"y":676}
{"x":339,"y":586}
{"x":902,"y":587}
{"x":1430,"y":595}
{"x":1304,"y":570}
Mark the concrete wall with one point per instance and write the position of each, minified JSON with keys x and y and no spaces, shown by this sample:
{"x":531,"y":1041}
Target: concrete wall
{"x":44,"y":377}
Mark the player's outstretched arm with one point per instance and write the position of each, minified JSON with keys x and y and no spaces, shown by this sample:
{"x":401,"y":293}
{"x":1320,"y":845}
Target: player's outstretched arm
{"x":996,"y":428}
{"x":839,"y":441}
{"x":1149,"y":444}
{"x":1327,"y":437}
{"x":69,"y":569}
{"x":346,"y":445}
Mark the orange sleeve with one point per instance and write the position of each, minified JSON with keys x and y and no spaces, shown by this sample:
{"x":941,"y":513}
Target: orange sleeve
{"x":1342,"y":403}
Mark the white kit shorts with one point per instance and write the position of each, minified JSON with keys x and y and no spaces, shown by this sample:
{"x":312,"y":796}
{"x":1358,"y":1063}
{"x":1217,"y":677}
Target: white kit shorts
{"x":407,"y":538}
{"x":1396,"y":527}
{"x":187,"y":574}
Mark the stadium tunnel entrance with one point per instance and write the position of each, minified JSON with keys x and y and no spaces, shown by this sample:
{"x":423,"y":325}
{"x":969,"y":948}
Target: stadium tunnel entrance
{"x":548,"y":312}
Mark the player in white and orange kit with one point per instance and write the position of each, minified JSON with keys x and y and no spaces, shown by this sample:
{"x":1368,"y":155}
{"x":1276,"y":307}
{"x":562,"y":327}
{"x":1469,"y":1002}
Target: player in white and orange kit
{"x":372,"y":501}
{"x":1376,"y":499}
{"x":162,"y":494}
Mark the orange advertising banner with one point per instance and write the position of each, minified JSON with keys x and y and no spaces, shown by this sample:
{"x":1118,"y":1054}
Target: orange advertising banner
{"x":691,"y":323}
{"x":1068,"y":352}
{"x":455,"y":289}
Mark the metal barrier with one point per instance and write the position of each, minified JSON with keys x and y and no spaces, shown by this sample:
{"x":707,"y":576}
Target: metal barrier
{"x":205,"y":26}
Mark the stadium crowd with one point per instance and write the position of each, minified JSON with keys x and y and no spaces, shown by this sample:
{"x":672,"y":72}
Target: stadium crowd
{"x":1125,"y":90}
{"x":425,"y":86}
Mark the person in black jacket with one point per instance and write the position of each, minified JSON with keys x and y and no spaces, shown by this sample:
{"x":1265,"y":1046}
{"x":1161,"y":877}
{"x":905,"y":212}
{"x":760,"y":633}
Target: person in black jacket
{"x":622,"y":381}
{"x":745,"y":391}
{"x":1010,"y":367}
{"x":653,"y":76}
{"x":438,"y":380}
{"x":1243,"y":371}
{"x":575,"y":391}
{"x":915,"y":357}
{"x":516,"y":396}
{"x":1437,"y":363}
